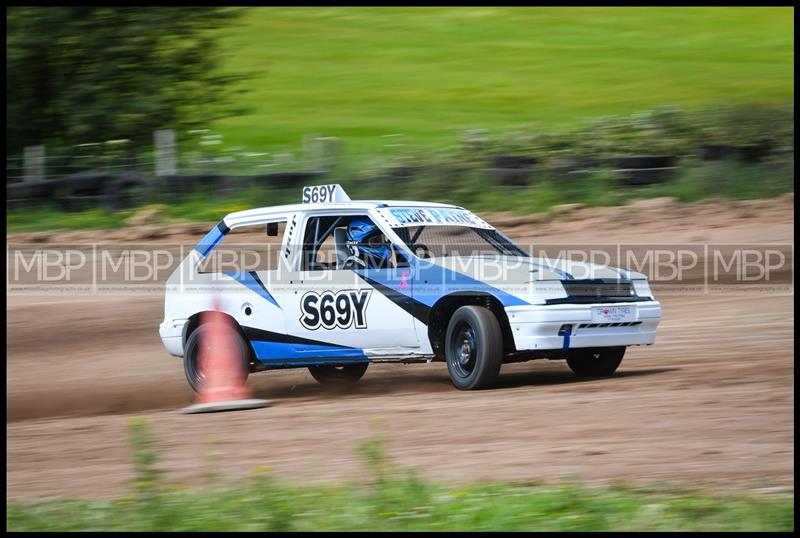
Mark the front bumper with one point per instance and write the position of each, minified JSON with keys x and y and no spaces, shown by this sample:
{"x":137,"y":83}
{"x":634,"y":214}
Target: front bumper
{"x":537,"y":327}
{"x":171,"y":332}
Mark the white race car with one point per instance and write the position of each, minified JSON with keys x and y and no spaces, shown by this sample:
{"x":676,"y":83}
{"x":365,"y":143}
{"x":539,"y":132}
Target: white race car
{"x":355,"y":282}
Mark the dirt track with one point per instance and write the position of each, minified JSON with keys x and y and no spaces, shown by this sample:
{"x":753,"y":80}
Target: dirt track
{"x":710,"y":404}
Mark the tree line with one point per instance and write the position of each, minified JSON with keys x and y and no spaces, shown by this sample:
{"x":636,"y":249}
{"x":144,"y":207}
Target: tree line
{"x":87,"y":74}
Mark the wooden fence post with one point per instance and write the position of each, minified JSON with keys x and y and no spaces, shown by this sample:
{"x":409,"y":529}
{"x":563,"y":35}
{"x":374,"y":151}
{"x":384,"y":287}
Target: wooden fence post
{"x":34,"y":163}
{"x":166,"y":161}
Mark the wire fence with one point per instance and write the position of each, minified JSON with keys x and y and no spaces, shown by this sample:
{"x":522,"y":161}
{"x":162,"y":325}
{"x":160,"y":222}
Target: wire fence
{"x":207,"y":155}
{"x":117,"y":175}
{"x":57,"y":166}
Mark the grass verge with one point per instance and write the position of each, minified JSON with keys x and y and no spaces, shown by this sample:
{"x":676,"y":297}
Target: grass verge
{"x":407,"y":503}
{"x":388,"y":498}
{"x":469,"y":188}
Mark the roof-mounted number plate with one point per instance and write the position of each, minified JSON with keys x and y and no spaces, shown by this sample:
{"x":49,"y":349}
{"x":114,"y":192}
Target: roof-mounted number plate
{"x":324,"y":194}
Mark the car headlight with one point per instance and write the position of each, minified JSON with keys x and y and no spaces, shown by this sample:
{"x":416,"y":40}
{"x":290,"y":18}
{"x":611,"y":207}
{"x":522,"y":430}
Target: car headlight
{"x":642,"y":288}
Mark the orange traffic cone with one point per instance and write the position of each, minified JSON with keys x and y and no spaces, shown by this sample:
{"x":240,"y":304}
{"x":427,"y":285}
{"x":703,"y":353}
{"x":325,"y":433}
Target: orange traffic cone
{"x":223,"y":385}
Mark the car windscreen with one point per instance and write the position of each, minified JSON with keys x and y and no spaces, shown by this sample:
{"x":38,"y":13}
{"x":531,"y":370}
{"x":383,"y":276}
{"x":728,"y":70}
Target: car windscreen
{"x":441,"y":241}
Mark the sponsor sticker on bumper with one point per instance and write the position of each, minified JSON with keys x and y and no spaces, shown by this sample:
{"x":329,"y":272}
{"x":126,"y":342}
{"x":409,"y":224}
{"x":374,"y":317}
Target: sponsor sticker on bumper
{"x":613,"y":314}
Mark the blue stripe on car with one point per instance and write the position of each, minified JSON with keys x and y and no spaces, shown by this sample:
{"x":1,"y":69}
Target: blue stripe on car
{"x":268,"y":352}
{"x":444,"y":281}
{"x":252,"y":281}
{"x":209,"y":241}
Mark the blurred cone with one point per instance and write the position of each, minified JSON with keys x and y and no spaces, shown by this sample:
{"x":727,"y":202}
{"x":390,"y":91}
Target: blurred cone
{"x":223,"y":384}
{"x":220,"y":363}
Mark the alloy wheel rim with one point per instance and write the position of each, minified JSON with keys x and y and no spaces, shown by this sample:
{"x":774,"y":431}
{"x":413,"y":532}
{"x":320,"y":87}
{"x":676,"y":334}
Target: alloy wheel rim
{"x":463,"y":350}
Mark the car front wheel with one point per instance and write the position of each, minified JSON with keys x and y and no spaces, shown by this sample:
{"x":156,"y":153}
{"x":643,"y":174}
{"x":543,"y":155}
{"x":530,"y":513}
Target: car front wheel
{"x":473,"y":348}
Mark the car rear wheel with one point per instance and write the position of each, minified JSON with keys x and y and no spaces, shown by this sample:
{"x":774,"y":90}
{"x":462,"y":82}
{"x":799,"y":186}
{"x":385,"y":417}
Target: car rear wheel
{"x":345,"y":374}
{"x":473,"y":348}
{"x":198,"y":346}
{"x":599,"y":362}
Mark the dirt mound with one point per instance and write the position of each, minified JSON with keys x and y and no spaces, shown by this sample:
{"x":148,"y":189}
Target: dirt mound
{"x":649,"y":212}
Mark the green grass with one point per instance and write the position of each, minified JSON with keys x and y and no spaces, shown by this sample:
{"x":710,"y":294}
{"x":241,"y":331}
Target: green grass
{"x":47,"y":217}
{"x":386,"y":497}
{"x":427,"y":74}
{"x":407,"y":503}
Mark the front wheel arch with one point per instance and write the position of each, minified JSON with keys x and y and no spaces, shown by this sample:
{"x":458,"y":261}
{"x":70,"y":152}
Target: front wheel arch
{"x":441,"y":312}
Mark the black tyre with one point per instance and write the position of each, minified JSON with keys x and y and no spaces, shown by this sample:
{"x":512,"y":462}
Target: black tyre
{"x":473,"y":348}
{"x":125,"y":192}
{"x":345,"y":374}
{"x":599,"y":362}
{"x":191,"y":357}
{"x":85,"y":183}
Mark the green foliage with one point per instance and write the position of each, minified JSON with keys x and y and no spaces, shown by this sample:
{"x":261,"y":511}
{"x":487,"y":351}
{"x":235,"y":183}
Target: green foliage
{"x":374,"y":452}
{"x":50,"y":217}
{"x":394,"y":499}
{"x":666,"y":130}
{"x":79,"y":74}
{"x":267,"y":505}
{"x":752,"y":124}
{"x":145,"y":457}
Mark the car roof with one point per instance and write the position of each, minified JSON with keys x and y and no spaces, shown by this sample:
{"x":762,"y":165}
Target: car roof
{"x":240,"y":218}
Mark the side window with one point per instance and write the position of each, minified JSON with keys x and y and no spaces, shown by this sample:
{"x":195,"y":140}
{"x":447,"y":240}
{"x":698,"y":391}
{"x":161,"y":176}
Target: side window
{"x":319,"y":249}
{"x":246,"y":248}
{"x":345,"y":242}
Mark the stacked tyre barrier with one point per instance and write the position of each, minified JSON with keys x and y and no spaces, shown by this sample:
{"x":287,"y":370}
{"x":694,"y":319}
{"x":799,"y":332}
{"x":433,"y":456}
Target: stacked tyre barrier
{"x":520,"y":171}
{"x":635,"y":171}
{"x":743,"y":152}
{"x":186,"y":184}
{"x":512,"y":171}
{"x":568,"y":168}
{"x":79,"y":191}
{"x":115,"y":192}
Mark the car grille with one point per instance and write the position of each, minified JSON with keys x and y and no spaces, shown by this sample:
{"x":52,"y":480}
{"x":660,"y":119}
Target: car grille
{"x":601,"y":325}
{"x":599,"y":289}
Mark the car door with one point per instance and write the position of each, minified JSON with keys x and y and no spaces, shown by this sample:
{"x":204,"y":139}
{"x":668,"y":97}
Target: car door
{"x":326,"y":304}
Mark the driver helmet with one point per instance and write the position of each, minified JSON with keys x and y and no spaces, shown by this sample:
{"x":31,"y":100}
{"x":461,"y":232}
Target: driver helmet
{"x":370,"y":244}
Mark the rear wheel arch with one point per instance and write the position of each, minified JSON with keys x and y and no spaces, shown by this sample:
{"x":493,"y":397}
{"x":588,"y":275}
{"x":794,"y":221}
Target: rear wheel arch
{"x":196,"y":319}
{"x":444,"y":308}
